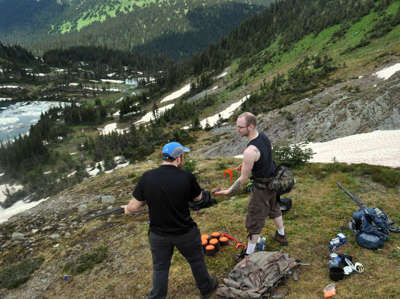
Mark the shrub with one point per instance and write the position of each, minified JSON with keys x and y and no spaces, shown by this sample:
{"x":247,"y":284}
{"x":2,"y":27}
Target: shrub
{"x":388,"y":177}
{"x":292,"y":155}
{"x":221,"y":165}
{"x":17,"y":274}
{"x":190,"y":165}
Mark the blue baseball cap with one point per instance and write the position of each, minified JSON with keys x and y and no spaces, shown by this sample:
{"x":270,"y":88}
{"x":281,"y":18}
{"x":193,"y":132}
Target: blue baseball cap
{"x":173,"y":150}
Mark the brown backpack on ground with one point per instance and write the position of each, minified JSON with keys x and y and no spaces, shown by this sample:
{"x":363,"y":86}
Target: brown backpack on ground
{"x":263,"y":272}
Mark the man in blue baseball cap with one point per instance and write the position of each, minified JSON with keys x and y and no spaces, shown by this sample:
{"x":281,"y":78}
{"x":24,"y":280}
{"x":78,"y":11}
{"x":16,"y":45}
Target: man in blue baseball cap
{"x":173,"y":150}
{"x":167,"y":190}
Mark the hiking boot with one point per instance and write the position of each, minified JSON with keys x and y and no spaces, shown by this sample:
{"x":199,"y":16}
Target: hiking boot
{"x":280,"y":239}
{"x":214,"y":285}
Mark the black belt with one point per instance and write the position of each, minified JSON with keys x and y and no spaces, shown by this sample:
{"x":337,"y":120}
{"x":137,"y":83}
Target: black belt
{"x":262,"y":183}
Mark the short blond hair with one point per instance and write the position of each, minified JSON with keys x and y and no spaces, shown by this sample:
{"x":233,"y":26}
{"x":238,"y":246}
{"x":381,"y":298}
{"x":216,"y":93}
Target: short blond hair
{"x":249,"y":117}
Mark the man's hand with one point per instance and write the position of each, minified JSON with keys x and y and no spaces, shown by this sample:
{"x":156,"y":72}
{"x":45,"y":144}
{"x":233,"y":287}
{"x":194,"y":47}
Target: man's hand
{"x":132,"y":206}
{"x":126,"y":210}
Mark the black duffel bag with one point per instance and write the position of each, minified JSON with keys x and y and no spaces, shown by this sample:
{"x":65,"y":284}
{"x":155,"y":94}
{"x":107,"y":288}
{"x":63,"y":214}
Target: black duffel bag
{"x":205,"y":201}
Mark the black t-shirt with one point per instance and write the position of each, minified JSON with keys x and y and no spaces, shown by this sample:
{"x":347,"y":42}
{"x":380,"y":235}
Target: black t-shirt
{"x":265,"y":166}
{"x":167,"y":191}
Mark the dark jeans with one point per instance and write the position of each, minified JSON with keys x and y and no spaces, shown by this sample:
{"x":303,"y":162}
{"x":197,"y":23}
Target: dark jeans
{"x":189,"y":244}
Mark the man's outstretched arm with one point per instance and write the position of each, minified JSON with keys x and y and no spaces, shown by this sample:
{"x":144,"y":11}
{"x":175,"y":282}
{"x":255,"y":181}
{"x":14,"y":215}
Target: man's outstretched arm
{"x":250,"y":155}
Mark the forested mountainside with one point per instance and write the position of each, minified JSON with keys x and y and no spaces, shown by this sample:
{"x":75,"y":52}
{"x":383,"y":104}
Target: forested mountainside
{"x":173,"y":28}
{"x":263,"y":38}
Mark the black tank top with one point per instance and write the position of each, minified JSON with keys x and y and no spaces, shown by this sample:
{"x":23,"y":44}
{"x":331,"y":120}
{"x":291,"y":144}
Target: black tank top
{"x":265,"y":166}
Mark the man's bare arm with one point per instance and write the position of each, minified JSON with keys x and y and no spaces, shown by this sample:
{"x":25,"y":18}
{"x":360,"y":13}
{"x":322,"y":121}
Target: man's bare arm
{"x":235,"y":186}
{"x":250,"y":155}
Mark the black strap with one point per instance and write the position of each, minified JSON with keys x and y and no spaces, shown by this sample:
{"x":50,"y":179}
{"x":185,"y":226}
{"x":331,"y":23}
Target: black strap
{"x":263,"y":180}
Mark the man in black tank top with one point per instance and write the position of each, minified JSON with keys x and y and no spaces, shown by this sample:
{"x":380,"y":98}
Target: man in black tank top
{"x":258,"y":162}
{"x":167,"y":191}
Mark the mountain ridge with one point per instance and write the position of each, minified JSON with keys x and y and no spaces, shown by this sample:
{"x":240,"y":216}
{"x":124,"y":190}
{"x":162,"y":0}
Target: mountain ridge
{"x":66,"y":24}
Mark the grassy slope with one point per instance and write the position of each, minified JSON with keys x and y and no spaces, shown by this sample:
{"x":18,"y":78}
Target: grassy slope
{"x":357,"y":61}
{"x":101,"y":12}
{"x":320,"y":210}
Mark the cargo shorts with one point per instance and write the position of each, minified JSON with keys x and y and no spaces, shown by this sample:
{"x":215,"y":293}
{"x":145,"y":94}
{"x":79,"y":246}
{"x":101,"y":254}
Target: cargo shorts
{"x":262,"y":204}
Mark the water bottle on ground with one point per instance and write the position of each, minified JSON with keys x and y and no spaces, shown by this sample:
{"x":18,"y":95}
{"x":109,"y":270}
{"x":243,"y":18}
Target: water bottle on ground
{"x":261,"y":242}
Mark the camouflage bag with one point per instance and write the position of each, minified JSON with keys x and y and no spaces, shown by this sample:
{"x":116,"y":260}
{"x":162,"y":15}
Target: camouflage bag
{"x":263,"y":273}
{"x":283,"y":180}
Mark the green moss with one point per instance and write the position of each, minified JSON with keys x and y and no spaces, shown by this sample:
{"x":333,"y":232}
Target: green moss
{"x":13,"y":276}
{"x":86,"y":261}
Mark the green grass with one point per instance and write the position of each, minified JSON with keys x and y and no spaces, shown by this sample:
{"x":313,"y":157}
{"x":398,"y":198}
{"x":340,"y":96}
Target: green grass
{"x":101,"y":12}
{"x":320,"y":210}
{"x":321,"y":44}
{"x":393,"y":8}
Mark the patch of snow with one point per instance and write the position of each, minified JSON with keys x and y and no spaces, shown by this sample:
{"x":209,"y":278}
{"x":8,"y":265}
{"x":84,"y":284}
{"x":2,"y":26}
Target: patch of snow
{"x":122,"y":165}
{"x":112,"y":81}
{"x":73,"y":84}
{"x":101,"y":89}
{"x":108,"y":129}
{"x":149,"y":115}
{"x":146,"y":79}
{"x":94,"y":171}
{"x":222,"y":75}
{"x":376,"y":148}
{"x":212,"y":120}
{"x":176,"y":94}
{"x":18,"y":207}
{"x":5,"y":99}
{"x":11,"y":188}
{"x":47,"y":172}
{"x":71,"y":174}
{"x":131,"y":82}
{"x":10,"y":86}
{"x":73,"y":154}
{"x":386,"y":73}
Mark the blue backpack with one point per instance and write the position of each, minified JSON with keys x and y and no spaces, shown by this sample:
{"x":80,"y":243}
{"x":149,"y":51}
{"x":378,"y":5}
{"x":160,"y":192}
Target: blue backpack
{"x":371,"y":227}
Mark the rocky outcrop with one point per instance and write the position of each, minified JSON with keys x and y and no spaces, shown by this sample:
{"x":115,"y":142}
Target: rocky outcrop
{"x":357,"y":106}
